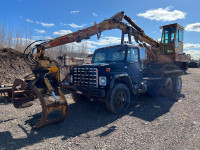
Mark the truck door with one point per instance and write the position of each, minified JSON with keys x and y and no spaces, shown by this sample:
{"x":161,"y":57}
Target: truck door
{"x":133,"y":65}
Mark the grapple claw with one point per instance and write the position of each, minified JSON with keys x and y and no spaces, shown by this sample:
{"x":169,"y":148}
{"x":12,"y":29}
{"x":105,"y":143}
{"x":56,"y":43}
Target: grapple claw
{"x":23,"y":96}
{"x":49,"y":107}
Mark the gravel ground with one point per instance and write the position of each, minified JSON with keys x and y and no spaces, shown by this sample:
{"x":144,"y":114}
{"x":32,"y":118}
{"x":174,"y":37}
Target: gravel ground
{"x":150,"y":123}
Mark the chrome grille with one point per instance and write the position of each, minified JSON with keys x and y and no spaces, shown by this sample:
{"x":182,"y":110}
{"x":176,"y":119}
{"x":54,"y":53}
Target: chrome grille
{"x":85,"y":76}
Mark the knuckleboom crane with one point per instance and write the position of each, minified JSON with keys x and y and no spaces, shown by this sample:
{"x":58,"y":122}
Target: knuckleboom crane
{"x":44,"y":82}
{"x":114,"y":22}
{"x":169,"y":50}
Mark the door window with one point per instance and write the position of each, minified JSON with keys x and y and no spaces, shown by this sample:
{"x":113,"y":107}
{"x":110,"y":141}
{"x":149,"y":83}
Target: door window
{"x":132,"y":55}
{"x":143,"y":54}
{"x":180,"y":35}
{"x":168,"y":35}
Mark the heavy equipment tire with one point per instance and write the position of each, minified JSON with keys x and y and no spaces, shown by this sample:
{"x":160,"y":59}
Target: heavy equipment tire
{"x":118,"y":99}
{"x":177,"y":84}
{"x":79,"y":98}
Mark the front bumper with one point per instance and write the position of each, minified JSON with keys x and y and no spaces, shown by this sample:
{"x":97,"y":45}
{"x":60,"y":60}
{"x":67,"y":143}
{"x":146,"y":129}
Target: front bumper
{"x":90,"y":91}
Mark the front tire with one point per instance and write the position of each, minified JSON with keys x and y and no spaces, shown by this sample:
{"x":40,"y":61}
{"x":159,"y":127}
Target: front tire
{"x":118,"y":99}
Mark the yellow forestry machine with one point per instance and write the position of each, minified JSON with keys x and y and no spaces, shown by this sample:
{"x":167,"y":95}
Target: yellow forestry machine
{"x":45,"y":84}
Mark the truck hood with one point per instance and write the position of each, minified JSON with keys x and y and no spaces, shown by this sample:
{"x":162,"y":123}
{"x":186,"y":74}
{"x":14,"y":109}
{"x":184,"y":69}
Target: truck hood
{"x":96,"y":64}
{"x":114,"y":66}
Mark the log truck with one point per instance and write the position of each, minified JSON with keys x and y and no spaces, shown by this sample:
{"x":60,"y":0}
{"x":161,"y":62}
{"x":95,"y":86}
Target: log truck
{"x":116,"y":72}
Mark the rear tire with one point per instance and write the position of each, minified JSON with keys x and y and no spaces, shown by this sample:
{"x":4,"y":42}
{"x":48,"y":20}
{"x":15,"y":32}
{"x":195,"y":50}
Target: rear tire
{"x":161,"y":91}
{"x":118,"y":99}
{"x":177,"y":84}
{"x":168,"y":83}
{"x":79,"y":98}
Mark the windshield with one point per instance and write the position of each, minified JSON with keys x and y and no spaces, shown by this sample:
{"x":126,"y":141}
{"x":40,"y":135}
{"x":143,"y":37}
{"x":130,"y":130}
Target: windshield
{"x":168,"y":35}
{"x":111,"y":54}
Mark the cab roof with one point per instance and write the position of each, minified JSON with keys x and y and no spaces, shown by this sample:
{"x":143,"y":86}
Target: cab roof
{"x":174,"y":24}
{"x":122,"y":45}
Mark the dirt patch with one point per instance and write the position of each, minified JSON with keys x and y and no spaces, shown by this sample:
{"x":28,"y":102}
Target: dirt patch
{"x":12,"y":66}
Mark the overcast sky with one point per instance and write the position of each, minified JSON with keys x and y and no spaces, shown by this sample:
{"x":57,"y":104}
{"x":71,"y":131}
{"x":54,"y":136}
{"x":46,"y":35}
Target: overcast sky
{"x":52,"y":18}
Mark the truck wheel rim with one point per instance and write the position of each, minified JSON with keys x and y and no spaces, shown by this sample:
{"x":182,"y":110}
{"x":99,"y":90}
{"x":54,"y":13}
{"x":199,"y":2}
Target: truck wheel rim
{"x":121,"y":98}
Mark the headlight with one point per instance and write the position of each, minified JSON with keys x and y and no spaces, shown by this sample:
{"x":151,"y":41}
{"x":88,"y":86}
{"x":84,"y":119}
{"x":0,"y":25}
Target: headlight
{"x":102,"y":81}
